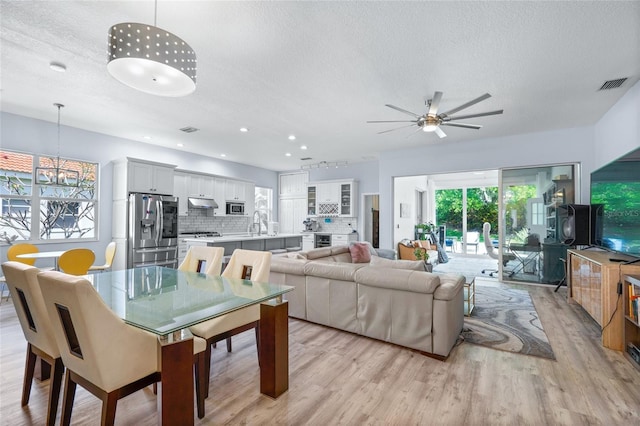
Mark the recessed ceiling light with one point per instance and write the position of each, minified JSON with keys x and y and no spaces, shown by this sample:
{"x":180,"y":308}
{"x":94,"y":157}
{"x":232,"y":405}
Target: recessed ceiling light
{"x":244,"y":129}
{"x":303,"y":147}
{"x":147,"y":137}
{"x":180,"y":145}
{"x":223,"y":155}
{"x":288,"y":154}
{"x":57,"y":66}
{"x":292,"y":137}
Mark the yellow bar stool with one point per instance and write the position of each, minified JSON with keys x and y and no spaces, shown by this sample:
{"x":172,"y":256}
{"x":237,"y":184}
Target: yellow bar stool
{"x":76,"y":261}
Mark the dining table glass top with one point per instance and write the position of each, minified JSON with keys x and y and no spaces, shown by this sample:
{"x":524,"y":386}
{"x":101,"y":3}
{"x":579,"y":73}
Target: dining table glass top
{"x":164,"y":300}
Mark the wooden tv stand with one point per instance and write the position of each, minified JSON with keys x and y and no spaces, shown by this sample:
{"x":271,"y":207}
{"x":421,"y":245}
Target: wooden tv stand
{"x":592,"y":280}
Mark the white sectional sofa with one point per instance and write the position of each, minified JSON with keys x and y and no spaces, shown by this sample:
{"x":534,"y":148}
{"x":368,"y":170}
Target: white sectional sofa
{"x":385,"y":299}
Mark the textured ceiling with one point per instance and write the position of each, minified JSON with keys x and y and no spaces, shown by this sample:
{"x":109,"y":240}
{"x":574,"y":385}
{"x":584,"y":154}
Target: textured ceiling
{"x":320,"y":70}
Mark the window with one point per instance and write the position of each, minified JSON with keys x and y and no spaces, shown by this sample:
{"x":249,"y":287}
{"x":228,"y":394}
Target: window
{"x":264,"y":205}
{"x":63,"y":212}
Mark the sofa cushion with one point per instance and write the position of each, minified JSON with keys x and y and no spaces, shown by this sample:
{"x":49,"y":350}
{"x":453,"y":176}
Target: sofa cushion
{"x":360,"y":253}
{"x":335,"y":271}
{"x":397,"y":279}
{"x":413,"y":265}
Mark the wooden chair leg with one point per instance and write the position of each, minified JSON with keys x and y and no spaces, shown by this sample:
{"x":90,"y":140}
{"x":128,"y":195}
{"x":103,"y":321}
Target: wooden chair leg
{"x":54,"y":390}
{"x":207,"y":367}
{"x":257,"y":329}
{"x":67,"y":399}
{"x":228,"y":344}
{"x":109,"y":405}
{"x":29,"y":368}
{"x":201,"y":382}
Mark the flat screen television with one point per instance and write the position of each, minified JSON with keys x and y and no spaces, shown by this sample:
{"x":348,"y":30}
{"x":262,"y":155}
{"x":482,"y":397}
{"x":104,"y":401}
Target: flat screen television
{"x":615,"y":187}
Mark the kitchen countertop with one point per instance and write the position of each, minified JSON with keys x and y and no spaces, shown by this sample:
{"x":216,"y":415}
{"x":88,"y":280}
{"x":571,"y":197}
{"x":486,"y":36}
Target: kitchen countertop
{"x":240,"y":237}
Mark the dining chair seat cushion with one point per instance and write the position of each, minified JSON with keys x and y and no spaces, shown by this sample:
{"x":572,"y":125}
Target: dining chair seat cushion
{"x":114,"y":353}
{"x":199,"y":345}
{"x":230,"y":321}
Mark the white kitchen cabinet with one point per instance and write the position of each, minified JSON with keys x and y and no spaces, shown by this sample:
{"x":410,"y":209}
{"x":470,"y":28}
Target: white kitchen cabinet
{"x":201,"y":186}
{"x":312,"y":200}
{"x":348,"y":198}
{"x":250,"y":199}
{"x":343,"y":239}
{"x":308,"y":241}
{"x":292,"y":214}
{"x":328,"y":192}
{"x":181,"y":190}
{"x":293,"y":185}
{"x":219,"y":196}
{"x":152,"y":178}
{"x":235,"y":190}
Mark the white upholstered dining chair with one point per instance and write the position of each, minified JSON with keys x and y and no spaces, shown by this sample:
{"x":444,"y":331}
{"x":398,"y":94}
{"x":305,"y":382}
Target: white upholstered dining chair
{"x":207,"y":260}
{"x":108,"y":367}
{"x":34,"y":320}
{"x":245,"y":264}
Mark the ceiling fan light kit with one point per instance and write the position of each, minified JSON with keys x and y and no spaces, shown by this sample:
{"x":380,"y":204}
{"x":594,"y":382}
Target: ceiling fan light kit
{"x":431,"y":121}
{"x":151,"y":60}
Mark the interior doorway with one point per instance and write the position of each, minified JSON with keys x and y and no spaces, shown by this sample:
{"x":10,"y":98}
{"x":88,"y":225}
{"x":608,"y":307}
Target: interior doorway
{"x":371,"y":219}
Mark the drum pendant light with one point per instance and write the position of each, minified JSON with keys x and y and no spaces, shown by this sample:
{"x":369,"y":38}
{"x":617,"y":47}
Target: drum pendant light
{"x":150,"y":59}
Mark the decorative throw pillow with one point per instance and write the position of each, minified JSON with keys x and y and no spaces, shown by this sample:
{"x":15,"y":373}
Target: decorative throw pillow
{"x":412,"y":265}
{"x":360,"y":253}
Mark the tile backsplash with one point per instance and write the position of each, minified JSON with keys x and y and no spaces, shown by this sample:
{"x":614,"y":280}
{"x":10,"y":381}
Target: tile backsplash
{"x":337,"y":225}
{"x":202,"y":220}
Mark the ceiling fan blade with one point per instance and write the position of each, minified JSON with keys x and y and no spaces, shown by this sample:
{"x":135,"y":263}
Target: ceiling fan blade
{"x":466,"y":126}
{"x":480,"y":114}
{"x":413,"y":133}
{"x":403,"y":110}
{"x":435,"y":103}
{"x":440,"y":133}
{"x":397,"y":128}
{"x":467,"y":105}
{"x":391,"y":121}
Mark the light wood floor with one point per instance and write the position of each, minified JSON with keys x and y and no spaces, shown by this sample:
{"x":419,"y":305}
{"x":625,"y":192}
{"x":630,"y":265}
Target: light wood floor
{"x":339,"y":378}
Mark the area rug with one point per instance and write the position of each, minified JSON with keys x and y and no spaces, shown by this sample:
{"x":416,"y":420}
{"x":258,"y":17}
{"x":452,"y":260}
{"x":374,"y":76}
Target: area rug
{"x":506,"y":319}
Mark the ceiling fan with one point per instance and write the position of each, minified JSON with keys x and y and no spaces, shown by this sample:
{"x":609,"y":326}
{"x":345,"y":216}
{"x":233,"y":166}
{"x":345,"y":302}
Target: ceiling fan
{"x":431,"y":121}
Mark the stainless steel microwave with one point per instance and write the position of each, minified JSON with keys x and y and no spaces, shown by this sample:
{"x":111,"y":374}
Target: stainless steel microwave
{"x":235,"y":208}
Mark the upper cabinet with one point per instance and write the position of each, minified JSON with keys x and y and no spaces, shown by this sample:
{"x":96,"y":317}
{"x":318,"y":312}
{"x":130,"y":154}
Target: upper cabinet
{"x":201,"y":186}
{"x":181,"y":190}
{"x":236,"y":190}
{"x":293,"y":185}
{"x":153,"y":178}
{"x":332,"y":198}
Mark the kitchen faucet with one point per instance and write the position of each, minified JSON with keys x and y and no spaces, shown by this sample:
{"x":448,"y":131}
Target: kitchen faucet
{"x":257,"y":222}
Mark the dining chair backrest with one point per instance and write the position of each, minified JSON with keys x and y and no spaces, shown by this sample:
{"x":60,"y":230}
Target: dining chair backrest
{"x":94,"y":342}
{"x":207,"y":260}
{"x":255,"y":263}
{"x":109,"y":254}
{"x":21,"y":248}
{"x":76,"y":261}
{"x":29,"y":304}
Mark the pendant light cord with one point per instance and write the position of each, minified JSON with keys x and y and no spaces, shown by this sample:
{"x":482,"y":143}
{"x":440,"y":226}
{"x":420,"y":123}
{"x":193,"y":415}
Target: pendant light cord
{"x":58,"y":153}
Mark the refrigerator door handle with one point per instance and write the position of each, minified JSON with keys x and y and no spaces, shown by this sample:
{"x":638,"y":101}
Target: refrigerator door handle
{"x":159,"y":219}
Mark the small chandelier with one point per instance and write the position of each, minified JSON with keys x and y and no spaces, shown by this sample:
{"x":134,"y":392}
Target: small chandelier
{"x":150,"y":59}
{"x":57,"y":175}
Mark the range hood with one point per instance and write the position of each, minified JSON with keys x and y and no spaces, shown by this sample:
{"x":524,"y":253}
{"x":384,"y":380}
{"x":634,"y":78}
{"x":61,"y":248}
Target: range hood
{"x":202,"y":203}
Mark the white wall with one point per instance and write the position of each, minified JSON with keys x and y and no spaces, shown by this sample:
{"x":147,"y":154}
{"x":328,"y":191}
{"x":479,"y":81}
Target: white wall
{"x":405,"y":193}
{"x":36,"y":136}
{"x":365,"y":173}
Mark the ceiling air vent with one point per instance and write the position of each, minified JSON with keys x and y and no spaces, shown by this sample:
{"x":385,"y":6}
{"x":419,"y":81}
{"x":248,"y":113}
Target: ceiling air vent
{"x":189,"y":129}
{"x":306,"y":158}
{"x":612,"y":84}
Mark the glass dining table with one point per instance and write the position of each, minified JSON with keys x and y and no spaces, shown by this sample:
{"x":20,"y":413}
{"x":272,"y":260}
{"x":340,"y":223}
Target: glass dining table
{"x":167,"y":301}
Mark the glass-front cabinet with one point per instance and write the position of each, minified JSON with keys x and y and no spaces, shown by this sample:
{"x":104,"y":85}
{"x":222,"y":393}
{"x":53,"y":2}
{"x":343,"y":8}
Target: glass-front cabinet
{"x":332,"y":198}
{"x":311,"y":200}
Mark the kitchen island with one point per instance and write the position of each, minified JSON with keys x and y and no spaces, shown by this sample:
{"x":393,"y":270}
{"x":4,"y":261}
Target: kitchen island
{"x":290,"y":242}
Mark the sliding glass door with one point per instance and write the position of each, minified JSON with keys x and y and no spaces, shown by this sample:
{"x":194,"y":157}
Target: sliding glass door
{"x":530,"y":235}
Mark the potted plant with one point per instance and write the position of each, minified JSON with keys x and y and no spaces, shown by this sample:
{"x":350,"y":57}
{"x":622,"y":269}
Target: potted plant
{"x":423,"y":229}
{"x":421,"y":254}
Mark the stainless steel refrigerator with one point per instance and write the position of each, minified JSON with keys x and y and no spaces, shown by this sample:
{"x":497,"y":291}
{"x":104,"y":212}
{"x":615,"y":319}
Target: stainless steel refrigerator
{"x":153,"y":231}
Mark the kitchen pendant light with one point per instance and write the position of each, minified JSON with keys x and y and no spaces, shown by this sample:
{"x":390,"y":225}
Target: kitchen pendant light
{"x":57,"y":175}
{"x":150,"y":59}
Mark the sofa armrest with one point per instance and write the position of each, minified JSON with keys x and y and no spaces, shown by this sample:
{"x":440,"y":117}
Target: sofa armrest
{"x":450,"y":286}
{"x":398,"y":279}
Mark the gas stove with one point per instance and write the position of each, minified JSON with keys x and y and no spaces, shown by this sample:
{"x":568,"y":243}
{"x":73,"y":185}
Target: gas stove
{"x":200,"y":234}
